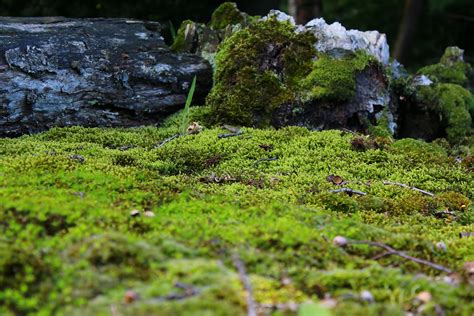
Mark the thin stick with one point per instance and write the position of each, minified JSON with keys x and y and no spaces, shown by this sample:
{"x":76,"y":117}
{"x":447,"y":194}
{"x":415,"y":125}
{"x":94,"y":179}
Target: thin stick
{"x":392,"y":251}
{"x":348,"y":191}
{"x":230,"y":134}
{"x":264,"y":159}
{"x":466,"y":234}
{"x":167,"y":140}
{"x":239,"y":265}
{"x":409,"y":187}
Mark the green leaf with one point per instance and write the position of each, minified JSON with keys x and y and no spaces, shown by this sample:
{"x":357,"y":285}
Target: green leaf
{"x":185,"y":121}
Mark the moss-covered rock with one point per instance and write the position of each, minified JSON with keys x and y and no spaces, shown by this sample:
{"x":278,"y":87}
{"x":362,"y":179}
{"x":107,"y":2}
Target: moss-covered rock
{"x":271,"y":74}
{"x":455,"y":105}
{"x":204,"y":39}
{"x":451,"y":69}
{"x":226,"y":14}
{"x":269,"y":55}
{"x":437,"y":103}
{"x":335,"y":79}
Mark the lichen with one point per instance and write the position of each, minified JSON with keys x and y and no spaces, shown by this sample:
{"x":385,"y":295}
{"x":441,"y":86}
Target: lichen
{"x":226,"y":14}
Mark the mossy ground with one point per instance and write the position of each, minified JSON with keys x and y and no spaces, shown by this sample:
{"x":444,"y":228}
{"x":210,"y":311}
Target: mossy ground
{"x":69,"y":245}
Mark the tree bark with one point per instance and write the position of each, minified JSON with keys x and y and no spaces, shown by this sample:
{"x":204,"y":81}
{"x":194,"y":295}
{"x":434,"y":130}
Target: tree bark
{"x":406,"y":33}
{"x":305,"y":10}
{"x":91,"y":72}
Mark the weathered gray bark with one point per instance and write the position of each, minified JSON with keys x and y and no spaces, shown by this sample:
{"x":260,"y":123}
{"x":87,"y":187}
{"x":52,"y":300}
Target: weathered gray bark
{"x":90,"y":72}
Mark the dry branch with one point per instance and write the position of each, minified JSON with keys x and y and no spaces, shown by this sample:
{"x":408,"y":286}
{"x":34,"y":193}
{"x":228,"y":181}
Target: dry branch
{"x":348,"y":191}
{"x":392,"y":251}
{"x":239,"y":265}
{"x":409,"y":187}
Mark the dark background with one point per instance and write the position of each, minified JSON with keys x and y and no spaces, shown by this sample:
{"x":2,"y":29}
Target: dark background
{"x":435,"y":25}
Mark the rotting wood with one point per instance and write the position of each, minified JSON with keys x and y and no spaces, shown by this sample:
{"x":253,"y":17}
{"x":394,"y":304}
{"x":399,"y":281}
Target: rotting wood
{"x":91,"y":72}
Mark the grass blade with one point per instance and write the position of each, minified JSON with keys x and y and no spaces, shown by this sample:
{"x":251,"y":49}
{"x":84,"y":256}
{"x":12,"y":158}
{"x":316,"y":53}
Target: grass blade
{"x":185,"y":121}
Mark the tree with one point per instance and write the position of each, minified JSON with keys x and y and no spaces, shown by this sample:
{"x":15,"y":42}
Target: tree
{"x":411,"y":14}
{"x":305,"y":10}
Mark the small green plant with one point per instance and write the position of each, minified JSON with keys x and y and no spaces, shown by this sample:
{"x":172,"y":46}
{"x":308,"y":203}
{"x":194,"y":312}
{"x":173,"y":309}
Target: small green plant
{"x":172,"y":30}
{"x":185,"y":121}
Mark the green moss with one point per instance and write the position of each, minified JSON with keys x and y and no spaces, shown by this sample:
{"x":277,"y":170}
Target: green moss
{"x":285,"y":67}
{"x":226,"y":14}
{"x":244,"y":62}
{"x":455,"y":106}
{"x":451,"y":68}
{"x":335,"y":79}
{"x":183,"y":42}
{"x":70,"y":246}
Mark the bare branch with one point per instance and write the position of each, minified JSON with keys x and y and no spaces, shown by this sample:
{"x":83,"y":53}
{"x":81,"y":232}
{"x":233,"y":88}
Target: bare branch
{"x":409,"y":187}
{"x":230,"y":134}
{"x":390,"y":250}
{"x":239,"y":265}
{"x":348,"y":191}
{"x":167,"y":140}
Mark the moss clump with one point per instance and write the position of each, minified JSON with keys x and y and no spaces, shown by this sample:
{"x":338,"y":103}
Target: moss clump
{"x":451,"y":68}
{"x":287,"y":70}
{"x":226,"y":14}
{"x":455,"y":106}
{"x":269,"y":55}
{"x":335,"y":79}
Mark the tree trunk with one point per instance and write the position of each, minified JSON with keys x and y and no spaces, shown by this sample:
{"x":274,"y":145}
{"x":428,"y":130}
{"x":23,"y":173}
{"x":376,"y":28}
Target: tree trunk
{"x":305,"y":10}
{"x":90,"y":72}
{"x":406,"y":33}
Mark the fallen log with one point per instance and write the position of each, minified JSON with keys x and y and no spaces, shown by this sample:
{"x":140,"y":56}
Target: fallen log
{"x":91,"y":72}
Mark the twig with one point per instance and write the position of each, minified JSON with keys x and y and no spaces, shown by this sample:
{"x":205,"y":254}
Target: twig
{"x":113,"y":310}
{"x":346,"y":130}
{"x":167,"y":140}
{"x":392,"y":251}
{"x":239,"y":265}
{"x":189,"y":291}
{"x":440,"y":213}
{"x":466,"y":234}
{"x":230,"y":134}
{"x":348,"y":191}
{"x":409,"y":187}
{"x":256,"y":163}
{"x":381,"y":255}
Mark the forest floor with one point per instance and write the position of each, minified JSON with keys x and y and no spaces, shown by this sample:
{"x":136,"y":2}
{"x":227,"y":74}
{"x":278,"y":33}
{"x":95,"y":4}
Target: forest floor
{"x":111,"y":222}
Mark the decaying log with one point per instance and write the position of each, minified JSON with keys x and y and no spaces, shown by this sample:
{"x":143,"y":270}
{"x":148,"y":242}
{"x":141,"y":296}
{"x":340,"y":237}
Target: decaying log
{"x":90,"y":72}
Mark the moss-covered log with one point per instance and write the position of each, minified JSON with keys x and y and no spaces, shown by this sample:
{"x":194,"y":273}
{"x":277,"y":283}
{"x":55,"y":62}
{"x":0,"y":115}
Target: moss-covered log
{"x":91,"y":72}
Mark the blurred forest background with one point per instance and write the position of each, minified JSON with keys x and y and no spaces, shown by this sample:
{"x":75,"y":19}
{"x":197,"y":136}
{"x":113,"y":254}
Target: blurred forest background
{"x":418,"y":30}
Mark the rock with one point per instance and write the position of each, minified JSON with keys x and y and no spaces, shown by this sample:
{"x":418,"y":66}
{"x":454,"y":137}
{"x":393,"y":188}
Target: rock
{"x":468,"y":271}
{"x":297,"y":84}
{"x":366,"y":296}
{"x":436,"y":102}
{"x":149,"y":214}
{"x":135,"y":213}
{"x":335,"y":40}
{"x":424,"y":297}
{"x":339,"y":241}
{"x":90,"y":72}
{"x":204,"y":39}
{"x":441,"y":246}
{"x":130,"y":297}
